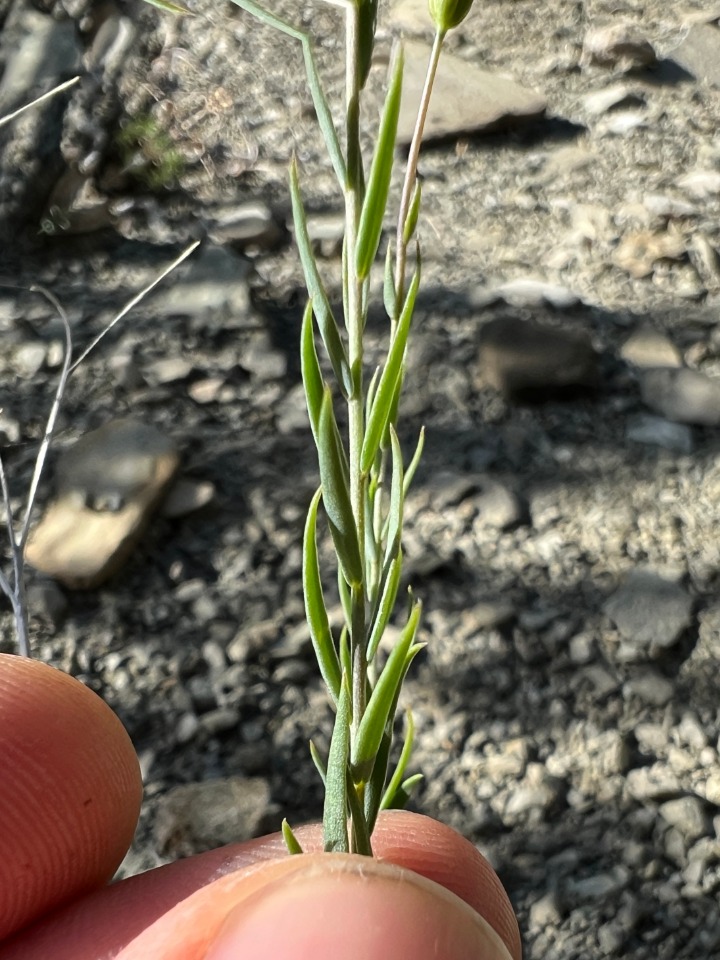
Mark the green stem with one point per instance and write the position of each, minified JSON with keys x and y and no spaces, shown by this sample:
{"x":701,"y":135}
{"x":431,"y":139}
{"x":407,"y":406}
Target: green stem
{"x":411,"y":174}
{"x":354,"y":321}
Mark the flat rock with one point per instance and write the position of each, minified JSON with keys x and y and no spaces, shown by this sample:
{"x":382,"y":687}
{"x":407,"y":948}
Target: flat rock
{"x":688,"y":815}
{"x":108,"y":484}
{"x":650,"y":612}
{"x":196,"y":817}
{"x":699,"y":53}
{"x":465,"y":99}
{"x":684,"y":395}
{"x":522,"y":359}
{"x":616,"y":95}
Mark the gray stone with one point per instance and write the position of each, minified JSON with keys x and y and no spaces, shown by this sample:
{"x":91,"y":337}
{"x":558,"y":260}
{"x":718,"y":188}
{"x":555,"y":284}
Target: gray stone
{"x":650,"y":687}
{"x":599,"y":886}
{"x":658,"y":432}
{"x":655,"y":783}
{"x":187,"y":496}
{"x":38,"y":52}
{"x":617,"y":95}
{"x":111,"y":44}
{"x":251,"y":224}
{"x":701,"y":184}
{"x":688,"y":815}
{"x":699,"y":53}
{"x":545,"y":912}
{"x":46,"y":601}
{"x":465,"y":99}
{"x":520,"y":358}
{"x":29,"y":359}
{"x":526,"y":292}
{"x":619,"y":45}
{"x":201,"y":816}
{"x":168,"y":370}
{"x":683,"y":395}
{"x":650,"y":612}
{"x":214,"y":280}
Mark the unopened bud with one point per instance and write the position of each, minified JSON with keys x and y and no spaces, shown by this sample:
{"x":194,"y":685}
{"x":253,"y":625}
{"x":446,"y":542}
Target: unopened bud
{"x":448,"y":14}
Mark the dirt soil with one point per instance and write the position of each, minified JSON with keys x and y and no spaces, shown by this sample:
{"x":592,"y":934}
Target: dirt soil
{"x":563,"y":726}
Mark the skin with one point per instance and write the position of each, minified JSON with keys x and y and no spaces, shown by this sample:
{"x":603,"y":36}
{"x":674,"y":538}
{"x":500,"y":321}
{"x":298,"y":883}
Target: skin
{"x":68,"y":810}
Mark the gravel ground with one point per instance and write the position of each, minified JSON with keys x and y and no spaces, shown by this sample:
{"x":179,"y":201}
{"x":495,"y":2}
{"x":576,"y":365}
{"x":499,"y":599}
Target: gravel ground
{"x":566,"y":549}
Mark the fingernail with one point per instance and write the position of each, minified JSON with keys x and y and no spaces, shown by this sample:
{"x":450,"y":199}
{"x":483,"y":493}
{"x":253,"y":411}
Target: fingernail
{"x":356,"y":909}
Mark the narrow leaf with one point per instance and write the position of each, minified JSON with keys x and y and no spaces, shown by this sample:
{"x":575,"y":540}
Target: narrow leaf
{"x":312,"y":377}
{"x":395,"y":511}
{"x":367,"y":21}
{"x":389,"y":291}
{"x":315,"y":610}
{"x":316,"y":91}
{"x":413,"y":465}
{"x":344,"y":591}
{"x":344,"y":646}
{"x":336,"y":493}
{"x":318,"y":761}
{"x":385,"y":393}
{"x":176,"y":8}
{"x":397,"y":778}
{"x":405,"y":791}
{"x":413,"y":212}
{"x":386,"y":606}
{"x":291,"y":841}
{"x":384,"y":696}
{"x":335,"y":835}
{"x":375,"y":202}
{"x":321,"y":305}
{"x":360,"y":828}
{"x":375,"y":787}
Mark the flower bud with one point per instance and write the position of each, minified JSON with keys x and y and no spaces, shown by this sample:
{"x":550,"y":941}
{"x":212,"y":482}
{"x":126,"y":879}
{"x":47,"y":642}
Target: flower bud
{"x":448,"y":14}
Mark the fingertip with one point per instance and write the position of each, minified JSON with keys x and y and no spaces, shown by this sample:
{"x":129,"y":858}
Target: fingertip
{"x":70,"y":805}
{"x":356,"y":909}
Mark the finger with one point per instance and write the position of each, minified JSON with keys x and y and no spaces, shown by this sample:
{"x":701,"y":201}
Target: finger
{"x":70,"y":790}
{"x":112,"y":918}
{"x":321,"y":906}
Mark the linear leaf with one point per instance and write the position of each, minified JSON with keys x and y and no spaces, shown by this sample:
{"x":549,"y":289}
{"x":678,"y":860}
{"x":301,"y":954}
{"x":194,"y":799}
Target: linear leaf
{"x":367,"y":21}
{"x":404,"y":792}
{"x":395,"y":511}
{"x":321,"y":305}
{"x":386,"y":391}
{"x":335,"y":836}
{"x":291,"y":841}
{"x":397,"y":777}
{"x":312,"y":377}
{"x":176,"y":8}
{"x":389,"y":291}
{"x":375,"y":787}
{"x":413,"y":465}
{"x":315,"y":609}
{"x":344,"y":647}
{"x":384,"y":696}
{"x":360,"y":829}
{"x":385,"y":607}
{"x":375,"y":202}
{"x":316,"y":91}
{"x":413,"y":212}
{"x":336,"y":493}
{"x":318,"y":761}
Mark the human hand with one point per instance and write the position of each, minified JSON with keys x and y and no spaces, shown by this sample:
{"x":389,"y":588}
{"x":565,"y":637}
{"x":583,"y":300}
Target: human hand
{"x":69,"y":799}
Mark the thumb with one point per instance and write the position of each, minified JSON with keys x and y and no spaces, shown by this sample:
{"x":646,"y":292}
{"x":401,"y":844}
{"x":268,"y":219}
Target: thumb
{"x":345,"y":906}
{"x":319,"y":907}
